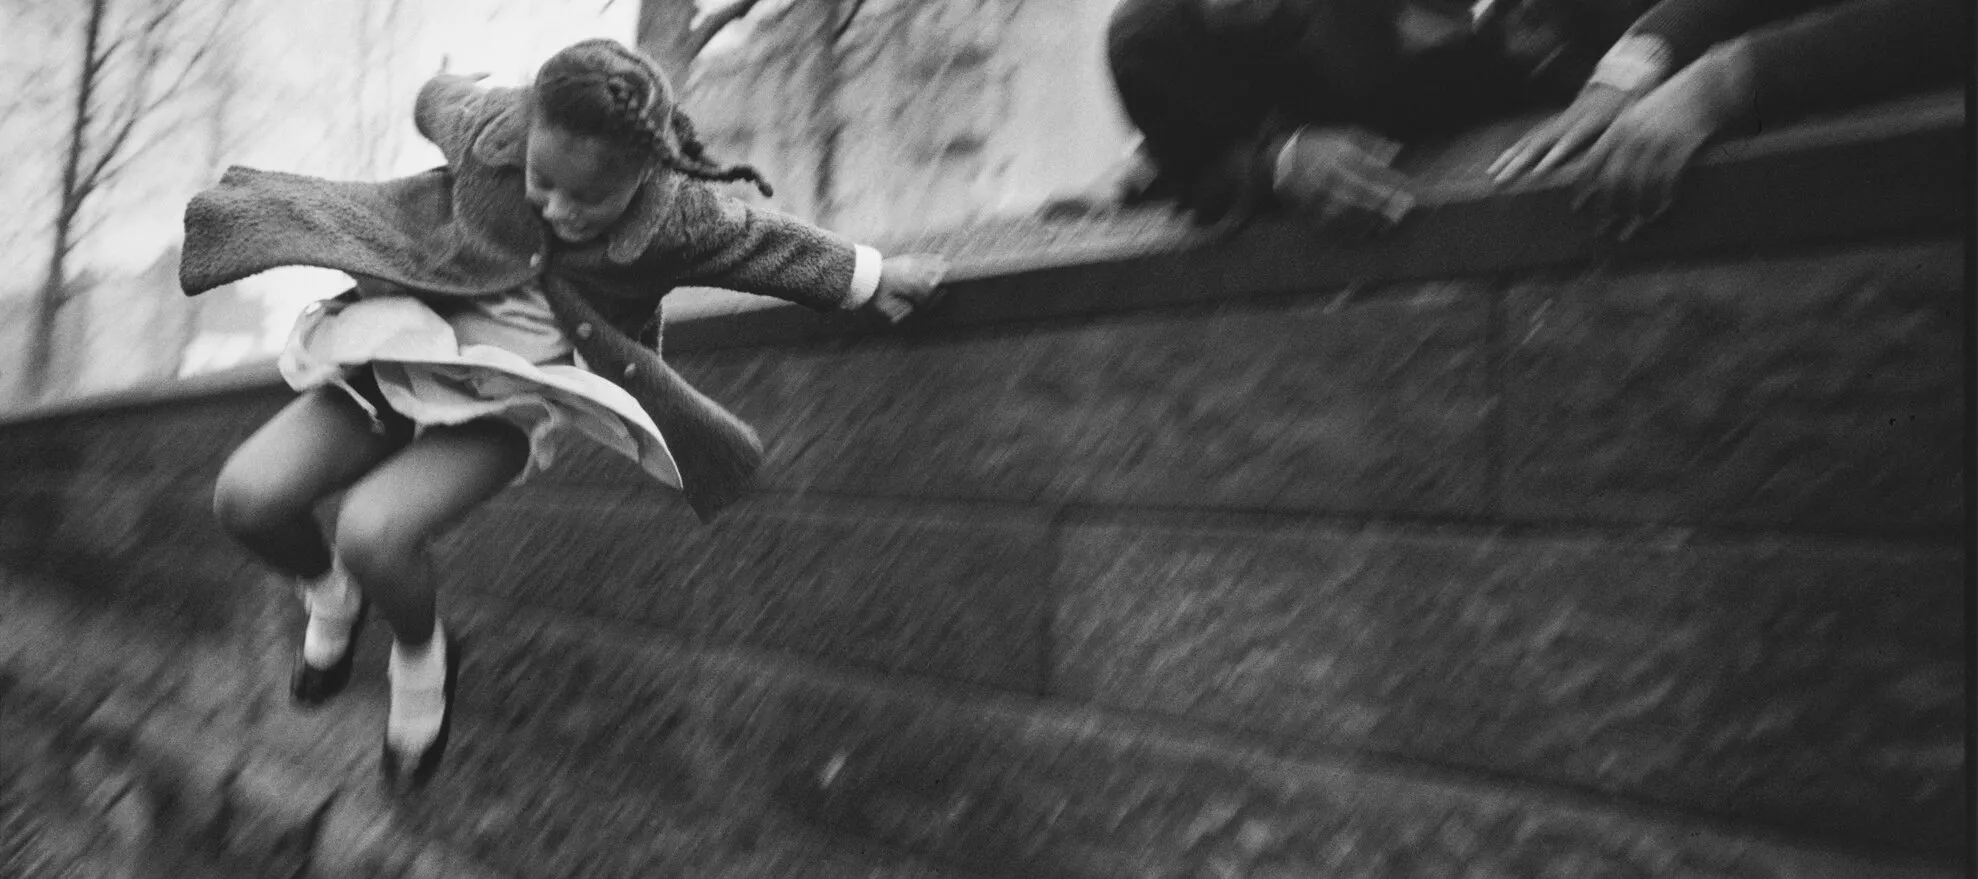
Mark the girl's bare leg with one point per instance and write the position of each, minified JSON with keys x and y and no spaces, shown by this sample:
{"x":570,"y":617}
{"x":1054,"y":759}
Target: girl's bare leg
{"x":388,"y":521}
{"x":394,"y":512}
{"x":267,"y":491}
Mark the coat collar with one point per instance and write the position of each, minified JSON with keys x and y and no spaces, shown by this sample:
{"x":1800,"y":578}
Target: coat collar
{"x":503,"y":142}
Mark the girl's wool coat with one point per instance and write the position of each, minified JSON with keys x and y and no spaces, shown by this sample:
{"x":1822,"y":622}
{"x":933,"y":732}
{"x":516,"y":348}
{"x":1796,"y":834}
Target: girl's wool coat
{"x":466,"y":229}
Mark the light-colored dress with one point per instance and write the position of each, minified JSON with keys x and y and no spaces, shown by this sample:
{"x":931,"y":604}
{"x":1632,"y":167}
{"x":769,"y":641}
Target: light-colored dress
{"x":467,"y":230}
{"x":500,"y":357}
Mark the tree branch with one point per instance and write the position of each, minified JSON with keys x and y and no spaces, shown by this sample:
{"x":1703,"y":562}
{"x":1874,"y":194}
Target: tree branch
{"x":141,"y":101}
{"x":859,"y":57}
{"x":162,"y":12}
{"x":204,"y":48}
{"x":851,"y":12}
{"x":701,"y":34}
{"x":179,"y":82}
{"x":115,"y":168}
{"x":88,"y":180}
{"x":27,"y":96}
{"x":101,"y":59}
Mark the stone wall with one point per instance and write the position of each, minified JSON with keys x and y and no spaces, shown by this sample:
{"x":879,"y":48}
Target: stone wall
{"x":1686,"y":534}
{"x":1196,"y":564}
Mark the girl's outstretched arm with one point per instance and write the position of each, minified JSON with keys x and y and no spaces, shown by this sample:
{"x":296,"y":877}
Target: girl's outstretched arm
{"x":756,"y":250}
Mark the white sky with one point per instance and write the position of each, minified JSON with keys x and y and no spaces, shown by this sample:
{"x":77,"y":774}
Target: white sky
{"x":315,"y":88}
{"x":320,"y":88}
{"x":508,"y":39}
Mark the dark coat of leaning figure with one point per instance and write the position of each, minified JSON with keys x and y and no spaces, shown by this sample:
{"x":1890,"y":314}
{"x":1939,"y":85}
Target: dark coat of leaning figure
{"x":1249,"y":105}
{"x":1218,"y":89}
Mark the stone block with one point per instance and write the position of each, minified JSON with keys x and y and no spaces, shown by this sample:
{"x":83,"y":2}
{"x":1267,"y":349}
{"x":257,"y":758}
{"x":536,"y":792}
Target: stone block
{"x":181,"y":443}
{"x":951,"y":591}
{"x":356,"y":833}
{"x":287,"y":798}
{"x":155,"y":555}
{"x":1298,"y":402}
{"x":1819,"y":392}
{"x":202,"y":761}
{"x":541,"y":784}
{"x":1808,"y":684}
{"x":1012,"y":787}
{"x":117,"y":716}
{"x":31,"y":446}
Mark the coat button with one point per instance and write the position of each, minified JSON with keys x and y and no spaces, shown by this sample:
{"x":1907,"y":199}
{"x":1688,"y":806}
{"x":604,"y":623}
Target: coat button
{"x":631,"y":371}
{"x":584,"y":331}
{"x":535,"y":260}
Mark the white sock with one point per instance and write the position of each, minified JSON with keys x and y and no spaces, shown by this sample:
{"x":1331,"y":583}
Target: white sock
{"x":332,"y":604}
{"x":418,"y":692}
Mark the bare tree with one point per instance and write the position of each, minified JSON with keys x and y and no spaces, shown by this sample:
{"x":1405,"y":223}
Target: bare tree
{"x":26,"y":94}
{"x":24,"y":73}
{"x":379,"y":29}
{"x":807,"y":38}
{"x":675,"y":31}
{"x":833,"y":20}
{"x":130,"y":73}
{"x":223,"y":79}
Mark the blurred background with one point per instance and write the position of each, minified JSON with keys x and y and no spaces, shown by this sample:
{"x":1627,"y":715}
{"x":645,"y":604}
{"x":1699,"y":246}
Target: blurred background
{"x":877,"y":118}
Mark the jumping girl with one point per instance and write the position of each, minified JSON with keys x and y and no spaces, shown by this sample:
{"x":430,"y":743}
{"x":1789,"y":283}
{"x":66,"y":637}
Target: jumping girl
{"x":494,"y":319}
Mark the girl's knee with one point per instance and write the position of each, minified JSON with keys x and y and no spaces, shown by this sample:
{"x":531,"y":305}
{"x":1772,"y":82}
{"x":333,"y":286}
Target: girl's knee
{"x":373,"y":543}
{"x":246,"y":500}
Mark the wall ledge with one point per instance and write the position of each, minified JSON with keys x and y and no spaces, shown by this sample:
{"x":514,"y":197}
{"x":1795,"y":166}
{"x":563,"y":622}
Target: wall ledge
{"x":1889,"y":171}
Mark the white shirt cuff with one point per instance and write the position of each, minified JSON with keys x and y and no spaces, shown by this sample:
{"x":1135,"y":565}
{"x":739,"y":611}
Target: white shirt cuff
{"x":1279,"y":169}
{"x":1636,"y":63}
{"x":865,"y":276}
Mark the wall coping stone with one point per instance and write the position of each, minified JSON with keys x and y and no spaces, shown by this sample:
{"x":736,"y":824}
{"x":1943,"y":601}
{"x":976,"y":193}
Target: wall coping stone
{"x":1884,"y":172}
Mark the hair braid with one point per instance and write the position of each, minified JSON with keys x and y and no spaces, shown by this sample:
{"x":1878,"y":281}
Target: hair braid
{"x":691,"y":159}
{"x":638,"y":108}
{"x":690,"y":141}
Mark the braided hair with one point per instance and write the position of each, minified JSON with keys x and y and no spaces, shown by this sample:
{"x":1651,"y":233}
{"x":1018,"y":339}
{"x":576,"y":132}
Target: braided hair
{"x":601,"y":88}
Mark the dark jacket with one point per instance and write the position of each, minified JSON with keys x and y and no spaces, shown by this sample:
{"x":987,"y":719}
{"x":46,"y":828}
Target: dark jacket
{"x":1210,"y":83}
{"x":467,"y":229}
{"x":1821,"y":54}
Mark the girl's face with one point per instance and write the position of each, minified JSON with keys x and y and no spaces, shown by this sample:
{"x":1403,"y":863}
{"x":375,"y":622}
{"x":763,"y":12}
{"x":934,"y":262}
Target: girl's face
{"x":579,"y":184}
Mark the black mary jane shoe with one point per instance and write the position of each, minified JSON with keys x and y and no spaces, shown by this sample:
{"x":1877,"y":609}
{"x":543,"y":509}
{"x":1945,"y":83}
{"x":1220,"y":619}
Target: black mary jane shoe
{"x":311,"y":686}
{"x":411,"y":771}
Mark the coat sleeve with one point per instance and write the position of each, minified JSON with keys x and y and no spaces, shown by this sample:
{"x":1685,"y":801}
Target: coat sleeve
{"x":1858,"y":51}
{"x":448,"y":111}
{"x":1688,"y":28}
{"x":740,"y":247}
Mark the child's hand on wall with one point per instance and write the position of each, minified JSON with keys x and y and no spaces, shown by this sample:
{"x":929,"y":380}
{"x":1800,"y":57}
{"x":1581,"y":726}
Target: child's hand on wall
{"x":907,"y":284}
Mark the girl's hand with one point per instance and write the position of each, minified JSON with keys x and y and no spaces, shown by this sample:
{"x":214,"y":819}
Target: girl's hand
{"x":1554,"y":141}
{"x":907,"y":284}
{"x":1630,"y":174}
